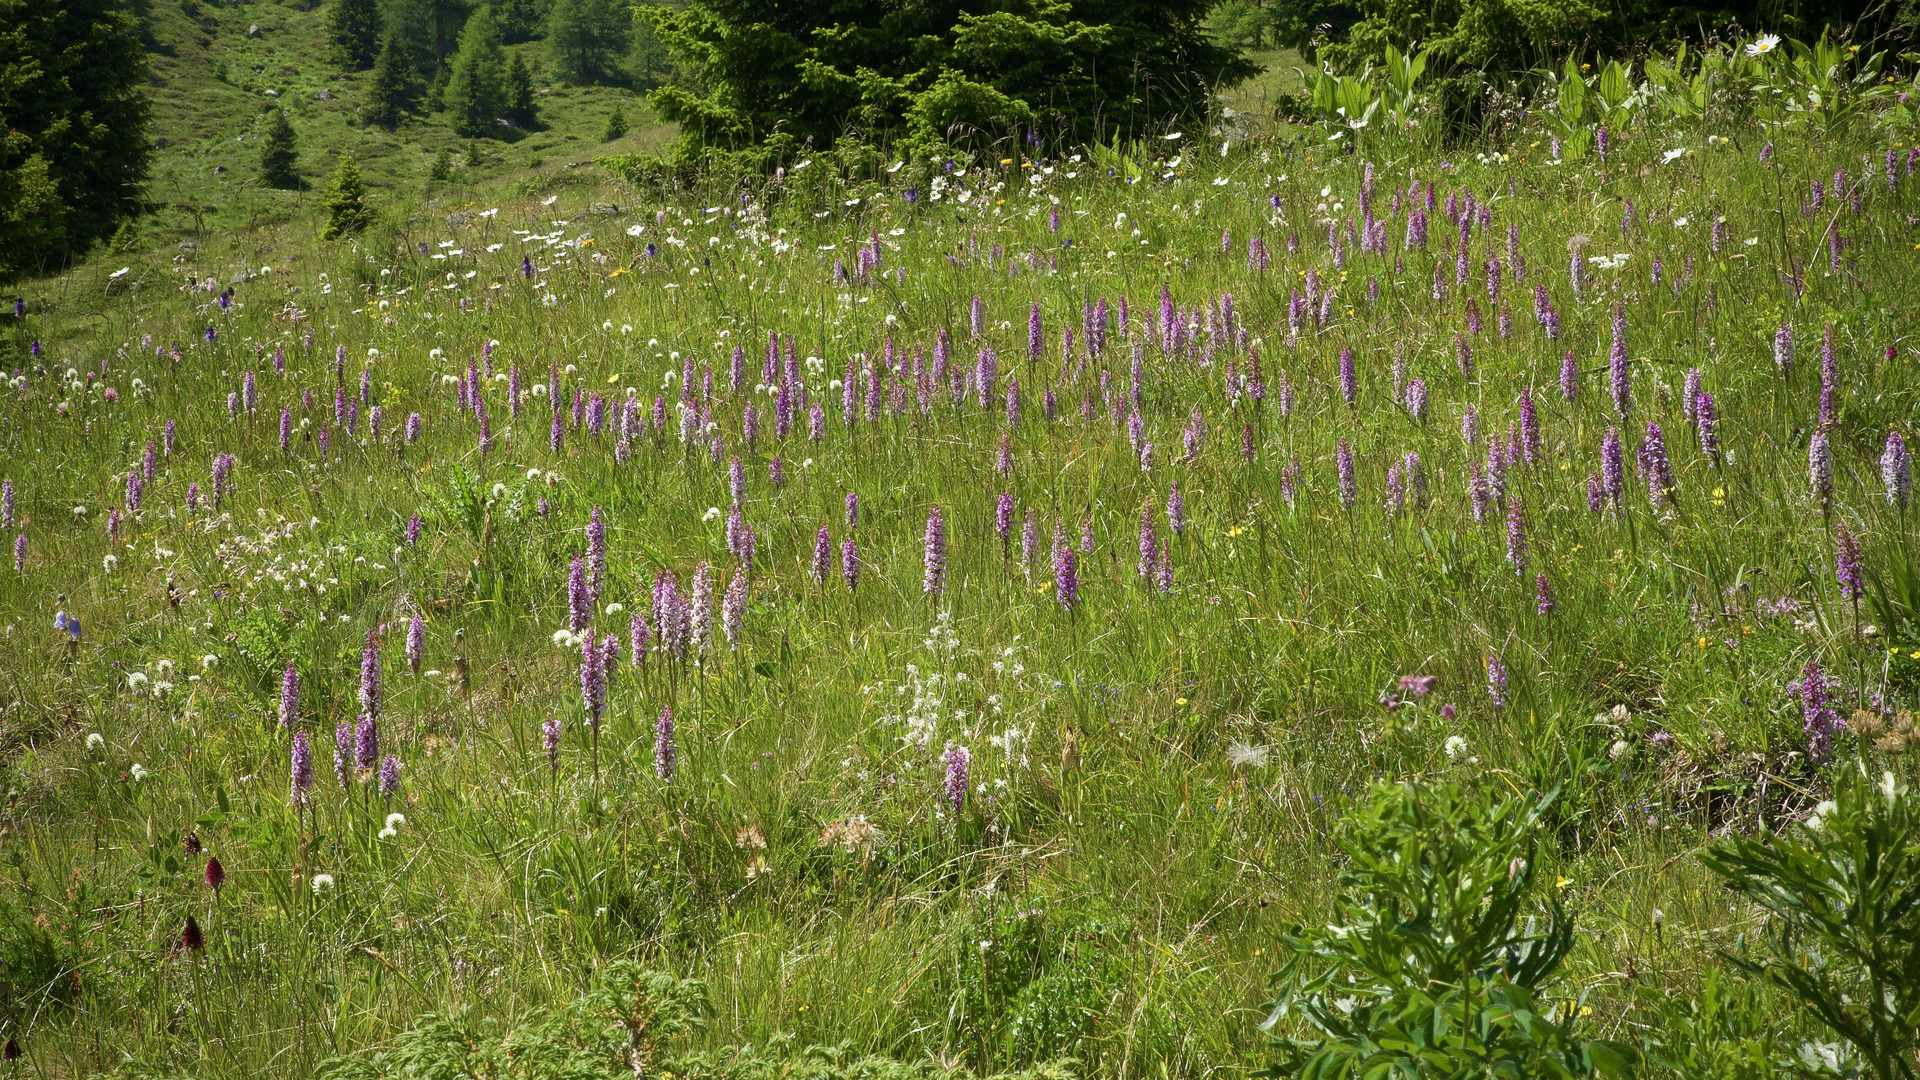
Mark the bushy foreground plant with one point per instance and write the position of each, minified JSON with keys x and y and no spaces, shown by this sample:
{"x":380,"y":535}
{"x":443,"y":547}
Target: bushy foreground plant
{"x":1842,"y":895}
{"x":1426,"y":969}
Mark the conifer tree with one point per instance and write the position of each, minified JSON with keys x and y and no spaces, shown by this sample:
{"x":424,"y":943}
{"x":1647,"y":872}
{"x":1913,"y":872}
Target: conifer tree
{"x":586,"y":38}
{"x":616,"y":124}
{"x":437,"y":90}
{"x":394,"y":91}
{"x":429,"y":28}
{"x":73,"y":141}
{"x":647,"y":61}
{"x":520,"y":107}
{"x":347,"y":210}
{"x":353,"y":31}
{"x":770,"y":77}
{"x":279,"y":153}
{"x":32,"y":219}
{"x":476,"y":87}
{"x":520,"y":20}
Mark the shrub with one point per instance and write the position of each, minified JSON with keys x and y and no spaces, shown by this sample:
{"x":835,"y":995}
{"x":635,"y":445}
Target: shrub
{"x":1842,"y":892}
{"x":73,"y":141}
{"x":768,"y":77}
{"x":1424,"y":968}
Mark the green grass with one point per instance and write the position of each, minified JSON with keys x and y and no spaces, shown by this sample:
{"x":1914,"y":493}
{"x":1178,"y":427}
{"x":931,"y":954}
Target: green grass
{"x":1114,"y":884}
{"x":1258,"y":96}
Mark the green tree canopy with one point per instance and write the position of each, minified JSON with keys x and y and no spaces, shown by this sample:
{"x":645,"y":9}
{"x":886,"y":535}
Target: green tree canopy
{"x":587,"y":38}
{"x":521,"y":108}
{"x":429,"y":28}
{"x":353,"y":29}
{"x":520,"y":20}
{"x":647,"y":60}
{"x":395,"y":90}
{"x":768,"y":75}
{"x":279,"y":153}
{"x":477,"y":86}
{"x":73,"y":142}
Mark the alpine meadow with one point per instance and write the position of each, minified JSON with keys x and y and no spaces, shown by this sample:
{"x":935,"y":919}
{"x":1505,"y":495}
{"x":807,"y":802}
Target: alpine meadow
{"x":922,"y":540}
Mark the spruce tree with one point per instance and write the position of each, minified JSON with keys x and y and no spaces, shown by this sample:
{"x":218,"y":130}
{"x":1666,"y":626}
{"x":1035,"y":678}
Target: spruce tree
{"x":477,"y":86}
{"x":354,"y":33}
{"x":429,"y":28}
{"x":347,"y":211}
{"x":32,"y":219}
{"x":586,"y":38}
{"x":768,"y":75}
{"x":437,"y":90}
{"x":616,"y":124}
{"x":520,"y":20}
{"x":394,"y":90}
{"x":442,"y":166}
{"x":648,"y":62}
{"x":279,"y":153}
{"x":520,"y":107}
{"x":73,"y":141}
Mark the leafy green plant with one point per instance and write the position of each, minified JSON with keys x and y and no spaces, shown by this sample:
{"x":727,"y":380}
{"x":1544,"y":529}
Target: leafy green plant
{"x":1683,"y":88}
{"x":1402,"y":74}
{"x":1842,"y":892}
{"x":1346,"y":103}
{"x":1613,"y":96}
{"x":1123,"y":158}
{"x":1823,"y":84}
{"x":1424,"y":968}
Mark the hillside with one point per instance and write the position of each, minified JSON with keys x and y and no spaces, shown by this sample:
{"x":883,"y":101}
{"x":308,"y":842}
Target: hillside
{"x":218,"y":68}
{"x":1160,"y":612}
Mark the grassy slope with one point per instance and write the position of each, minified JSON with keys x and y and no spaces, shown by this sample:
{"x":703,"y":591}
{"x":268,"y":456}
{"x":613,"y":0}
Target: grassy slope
{"x":1166,"y":866}
{"x":206,"y":173}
